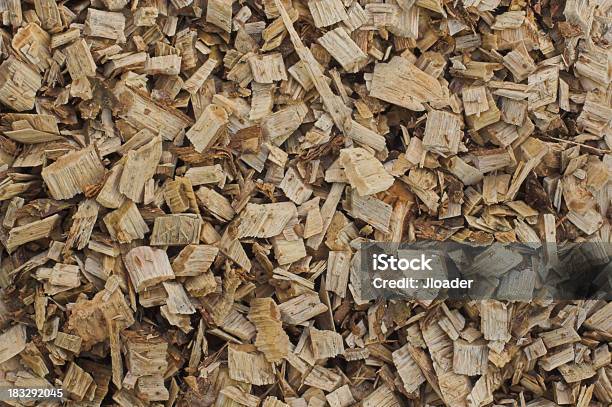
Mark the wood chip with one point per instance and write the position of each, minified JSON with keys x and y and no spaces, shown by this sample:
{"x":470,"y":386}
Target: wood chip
{"x":364,"y":172}
{"x":271,"y":338}
{"x":148,"y":267}
{"x":73,"y":172}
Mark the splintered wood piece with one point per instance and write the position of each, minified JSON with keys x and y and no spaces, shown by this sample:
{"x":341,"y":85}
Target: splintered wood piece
{"x":30,"y":232}
{"x":281,"y":124}
{"x":176,"y":230}
{"x":276,"y":155}
{"x":12,"y":342}
{"x":211,"y":174}
{"x":501,"y":134}
{"x":557,"y":357}
{"x":194,"y":260}
{"x":236,"y":324}
{"x":126,"y":223}
{"x":344,"y":50}
{"x":493,"y":159}
{"x":79,"y":61}
{"x":208,"y":128}
{"x":180,"y":321}
{"x":141,"y":112}
{"x":407,"y":368}
{"x":163,"y":65}
{"x":326,"y":344}
{"x":32,"y":358}
{"x":179,"y":195}
{"x":115,"y":351}
{"x":249,"y":140}
{"x":574,"y":372}
{"x":65,"y":275}
{"x":11,"y":212}
{"x":382,"y":396}
{"x":535,"y":350}
{"x":365,"y":173}
{"x":148,"y":267}
{"x":338,"y":270}
{"x":18,"y":85}
{"x":467,"y":174}
{"x":248,"y":365}
{"x":240,"y":396}
{"x":152,"y":388}
{"x":364,"y":135}
{"x":199,"y":77}
{"x":600,"y":320}
{"x":490,"y":116}
{"x":104,"y":24}
{"x":68,"y":342}
{"x":333,"y":104}
{"x":267,"y":68}
{"x":109,"y":196}
{"x":267,"y":220}
{"x":543,"y":85}
{"x":288,"y":251}
{"x":341,"y":397}
{"x":405,"y":23}
{"x":301,"y":308}
{"x":272,"y":401}
{"x":403,"y":84}
{"x":514,"y":111}
{"x":139,"y":167}
{"x":495,"y":320}
{"x":495,"y":261}
{"x":442,"y":132}
{"x":470,"y":358}
{"x":77,"y":382}
{"x":314,"y":223}
{"x":177,"y":300}
{"x":73,"y":172}
{"x":145,"y":356}
{"x":322,"y":378}
{"x":453,"y":387}
{"x":49,"y":14}
{"x":589,"y":222}
{"x":519,"y":63}
{"x":64,"y":38}
{"x":371,"y":210}
{"x":271,"y":338}
{"x":261,"y":102}
{"x":83,"y":222}
{"x":475,"y":100}
{"x":294,"y":187}
{"x":89,"y":318}
{"x":219,"y":13}
{"x":327,"y":12}
{"x":327,"y":212}
{"x":216,"y":203}
{"x":32,"y":128}
{"x":153,"y":297}
{"x":561,"y":336}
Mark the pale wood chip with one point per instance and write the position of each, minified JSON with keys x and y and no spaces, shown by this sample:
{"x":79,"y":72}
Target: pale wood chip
{"x":148,"y":267}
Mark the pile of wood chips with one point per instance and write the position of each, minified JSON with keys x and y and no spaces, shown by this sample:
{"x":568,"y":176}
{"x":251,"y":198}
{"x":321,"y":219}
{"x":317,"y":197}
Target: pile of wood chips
{"x":185,"y":185}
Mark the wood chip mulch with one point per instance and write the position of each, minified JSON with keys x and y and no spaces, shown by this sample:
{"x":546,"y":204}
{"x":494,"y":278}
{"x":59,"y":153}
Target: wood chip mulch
{"x":185,"y":184}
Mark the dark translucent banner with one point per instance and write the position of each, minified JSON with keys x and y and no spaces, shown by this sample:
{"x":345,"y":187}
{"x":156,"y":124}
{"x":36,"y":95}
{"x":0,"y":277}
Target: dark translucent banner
{"x":512,"y":272}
